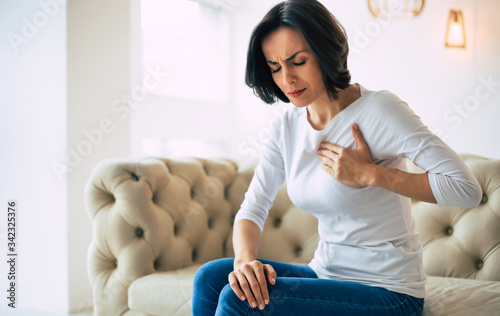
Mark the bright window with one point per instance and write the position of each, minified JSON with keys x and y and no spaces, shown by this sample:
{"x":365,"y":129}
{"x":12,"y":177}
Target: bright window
{"x":189,"y":42}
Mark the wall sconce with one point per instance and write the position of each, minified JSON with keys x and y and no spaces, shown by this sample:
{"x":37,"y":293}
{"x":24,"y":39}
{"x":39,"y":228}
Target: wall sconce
{"x":455,"y":29}
{"x":403,"y":9}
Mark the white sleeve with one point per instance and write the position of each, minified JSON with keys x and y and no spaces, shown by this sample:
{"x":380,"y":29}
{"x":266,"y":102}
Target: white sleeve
{"x":268,"y":177}
{"x":403,"y":133}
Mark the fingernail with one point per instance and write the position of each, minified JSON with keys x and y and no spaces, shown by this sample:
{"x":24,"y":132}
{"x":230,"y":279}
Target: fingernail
{"x":242,"y":298}
{"x":254,"y":304}
{"x":261,"y":306}
{"x":356,"y":126}
{"x":273,"y":279}
{"x":266,"y":301}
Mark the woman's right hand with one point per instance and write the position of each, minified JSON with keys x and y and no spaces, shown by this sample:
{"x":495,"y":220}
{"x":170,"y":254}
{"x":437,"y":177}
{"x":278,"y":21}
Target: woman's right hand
{"x":248,"y":281}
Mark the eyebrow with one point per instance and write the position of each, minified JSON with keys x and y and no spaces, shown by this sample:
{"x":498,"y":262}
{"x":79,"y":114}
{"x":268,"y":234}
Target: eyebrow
{"x":288,"y":59}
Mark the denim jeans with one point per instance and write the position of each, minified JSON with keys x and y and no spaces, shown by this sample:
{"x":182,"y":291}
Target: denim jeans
{"x":297,"y":291}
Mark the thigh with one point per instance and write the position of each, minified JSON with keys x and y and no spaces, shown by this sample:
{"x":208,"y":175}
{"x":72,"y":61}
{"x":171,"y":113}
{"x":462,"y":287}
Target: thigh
{"x":217,"y":271}
{"x":308,"y":296}
{"x":286,"y":270}
{"x":212,"y":277}
{"x":209,"y":280}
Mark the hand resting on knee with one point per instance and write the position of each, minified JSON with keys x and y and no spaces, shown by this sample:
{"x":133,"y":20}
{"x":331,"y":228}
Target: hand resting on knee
{"x":248,"y":281}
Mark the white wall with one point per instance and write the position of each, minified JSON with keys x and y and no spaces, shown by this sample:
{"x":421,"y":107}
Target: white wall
{"x":406,"y":57}
{"x":32,"y":137}
{"x":57,"y":89}
{"x":99,"y":74}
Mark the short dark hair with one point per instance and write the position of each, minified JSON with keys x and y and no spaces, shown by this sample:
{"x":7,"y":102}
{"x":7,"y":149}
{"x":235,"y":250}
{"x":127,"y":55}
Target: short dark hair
{"x":322,"y":32}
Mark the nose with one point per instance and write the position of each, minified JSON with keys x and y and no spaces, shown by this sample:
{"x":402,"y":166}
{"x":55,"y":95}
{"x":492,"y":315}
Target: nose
{"x":289,"y":77}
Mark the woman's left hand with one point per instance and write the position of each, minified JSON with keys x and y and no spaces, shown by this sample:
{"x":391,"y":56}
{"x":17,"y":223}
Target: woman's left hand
{"x":349,"y":166}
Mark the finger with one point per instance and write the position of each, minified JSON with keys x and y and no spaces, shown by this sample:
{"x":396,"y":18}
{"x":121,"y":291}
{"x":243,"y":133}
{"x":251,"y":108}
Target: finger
{"x":245,"y":287}
{"x":255,"y":285}
{"x":332,"y":163}
{"x":261,"y":279}
{"x":233,"y":282}
{"x":358,"y":136}
{"x":333,"y":147}
{"x":271,"y":273}
{"x":328,"y":169}
{"x":328,"y":153}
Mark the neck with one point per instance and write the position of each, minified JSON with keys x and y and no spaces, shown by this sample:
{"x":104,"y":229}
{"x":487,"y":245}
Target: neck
{"x":323,"y":110}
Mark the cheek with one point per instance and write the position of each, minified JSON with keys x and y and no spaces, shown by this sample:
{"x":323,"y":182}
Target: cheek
{"x":277,"y":80}
{"x":319,"y":85}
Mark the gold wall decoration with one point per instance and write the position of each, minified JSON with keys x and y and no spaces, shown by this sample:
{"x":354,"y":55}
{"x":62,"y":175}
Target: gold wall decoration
{"x":402,"y":9}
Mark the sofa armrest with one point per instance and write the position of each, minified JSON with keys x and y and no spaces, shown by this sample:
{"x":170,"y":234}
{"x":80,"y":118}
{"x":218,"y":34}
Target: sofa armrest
{"x":153,"y":215}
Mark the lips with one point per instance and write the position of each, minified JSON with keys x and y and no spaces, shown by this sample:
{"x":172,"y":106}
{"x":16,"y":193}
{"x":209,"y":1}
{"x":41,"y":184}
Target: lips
{"x":296,"y":93}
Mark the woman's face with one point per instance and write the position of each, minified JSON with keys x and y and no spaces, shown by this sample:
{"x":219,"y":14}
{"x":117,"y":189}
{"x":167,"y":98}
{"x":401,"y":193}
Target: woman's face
{"x":294,"y":66}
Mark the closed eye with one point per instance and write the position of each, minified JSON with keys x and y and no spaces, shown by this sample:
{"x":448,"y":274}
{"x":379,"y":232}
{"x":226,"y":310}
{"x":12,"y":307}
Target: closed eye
{"x":295,"y":64}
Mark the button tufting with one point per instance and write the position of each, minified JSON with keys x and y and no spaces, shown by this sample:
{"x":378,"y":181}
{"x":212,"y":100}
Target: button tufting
{"x":277,"y":222}
{"x":134,"y":177}
{"x":298,"y":251}
{"x":484,"y":199}
{"x":449,"y":231}
{"x":479,"y":265}
{"x":192,"y":193}
{"x":139,"y":232}
{"x":175,"y":230}
{"x":210,"y":222}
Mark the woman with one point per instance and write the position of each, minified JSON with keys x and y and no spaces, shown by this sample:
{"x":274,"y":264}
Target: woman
{"x":342,"y":150}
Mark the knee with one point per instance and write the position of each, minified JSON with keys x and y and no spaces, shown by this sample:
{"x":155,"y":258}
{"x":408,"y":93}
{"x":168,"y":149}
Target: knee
{"x":229,"y":301}
{"x":227,"y":295}
{"x":214,"y":269}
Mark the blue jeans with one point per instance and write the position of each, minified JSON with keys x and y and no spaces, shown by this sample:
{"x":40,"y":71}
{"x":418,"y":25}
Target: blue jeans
{"x":297,"y":291}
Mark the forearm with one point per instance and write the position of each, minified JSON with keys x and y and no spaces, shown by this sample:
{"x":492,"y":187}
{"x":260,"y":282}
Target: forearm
{"x":246,"y":240}
{"x":412,"y":185}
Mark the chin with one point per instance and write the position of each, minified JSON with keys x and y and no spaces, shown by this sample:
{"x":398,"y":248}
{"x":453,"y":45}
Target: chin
{"x":299,"y":104}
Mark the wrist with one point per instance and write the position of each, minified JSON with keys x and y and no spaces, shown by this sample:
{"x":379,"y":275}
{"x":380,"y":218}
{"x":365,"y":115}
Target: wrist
{"x":242,"y":260}
{"x":373,"y":175}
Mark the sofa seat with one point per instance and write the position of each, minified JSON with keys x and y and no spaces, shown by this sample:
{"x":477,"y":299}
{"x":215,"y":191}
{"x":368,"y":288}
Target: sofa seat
{"x":163,"y":293}
{"x":169,"y":293}
{"x":461,"y":297}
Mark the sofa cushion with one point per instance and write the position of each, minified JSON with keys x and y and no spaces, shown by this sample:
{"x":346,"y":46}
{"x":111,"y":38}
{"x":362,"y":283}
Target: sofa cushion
{"x":454,"y":296}
{"x":163,"y":293}
{"x":169,"y":293}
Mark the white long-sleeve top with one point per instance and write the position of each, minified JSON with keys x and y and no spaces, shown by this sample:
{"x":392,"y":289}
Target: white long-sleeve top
{"x":367,"y":235}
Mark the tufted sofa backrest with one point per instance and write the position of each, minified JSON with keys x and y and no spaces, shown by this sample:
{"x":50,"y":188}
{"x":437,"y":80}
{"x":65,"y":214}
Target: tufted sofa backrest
{"x":464,"y":242}
{"x":158,"y":214}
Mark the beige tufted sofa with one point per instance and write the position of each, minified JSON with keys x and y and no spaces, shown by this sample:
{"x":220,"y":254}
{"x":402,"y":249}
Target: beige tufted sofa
{"x":157,"y":220}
